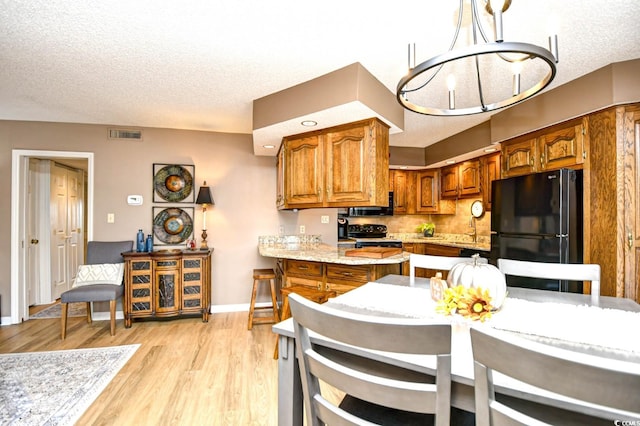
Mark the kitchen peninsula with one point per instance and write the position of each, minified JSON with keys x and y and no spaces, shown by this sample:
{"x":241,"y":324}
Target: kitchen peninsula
{"x":320,"y":266}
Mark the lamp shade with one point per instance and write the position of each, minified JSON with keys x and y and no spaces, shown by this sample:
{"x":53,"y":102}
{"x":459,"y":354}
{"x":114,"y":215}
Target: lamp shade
{"x":204,"y":195}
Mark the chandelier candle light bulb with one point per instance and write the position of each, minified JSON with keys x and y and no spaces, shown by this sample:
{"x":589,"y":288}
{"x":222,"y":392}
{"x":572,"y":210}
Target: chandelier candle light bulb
{"x":517,"y":69}
{"x":451,"y":85}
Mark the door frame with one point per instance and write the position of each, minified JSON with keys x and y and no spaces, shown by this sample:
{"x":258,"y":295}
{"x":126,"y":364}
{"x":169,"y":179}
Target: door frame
{"x":19,"y":178}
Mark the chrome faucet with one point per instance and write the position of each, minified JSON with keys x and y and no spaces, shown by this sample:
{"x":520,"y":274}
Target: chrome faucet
{"x":474,"y":234}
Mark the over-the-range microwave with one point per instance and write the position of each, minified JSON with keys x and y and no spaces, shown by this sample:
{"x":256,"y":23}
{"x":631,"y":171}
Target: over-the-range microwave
{"x":373,"y":211}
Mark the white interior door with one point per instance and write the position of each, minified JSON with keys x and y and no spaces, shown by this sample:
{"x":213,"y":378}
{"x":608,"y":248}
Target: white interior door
{"x":32,"y":240}
{"x":60,"y":280}
{"x":75,"y":193}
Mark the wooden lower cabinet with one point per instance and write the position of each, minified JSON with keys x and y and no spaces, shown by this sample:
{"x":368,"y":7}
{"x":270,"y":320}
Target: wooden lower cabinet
{"x":167,"y":284}
{"x":334,"y":276}
{"x":430,"y":249}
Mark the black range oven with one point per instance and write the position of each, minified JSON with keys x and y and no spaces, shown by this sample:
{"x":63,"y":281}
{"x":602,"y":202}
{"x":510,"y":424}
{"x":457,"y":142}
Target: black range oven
{"x":371,"y":235}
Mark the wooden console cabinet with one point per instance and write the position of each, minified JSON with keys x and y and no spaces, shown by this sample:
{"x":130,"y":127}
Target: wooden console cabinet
{"x":167,"y":283}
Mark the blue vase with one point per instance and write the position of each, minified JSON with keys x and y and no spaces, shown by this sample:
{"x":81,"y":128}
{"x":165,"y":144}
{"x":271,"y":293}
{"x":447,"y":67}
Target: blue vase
{"x":140,"y":241}
{"x":149,"y":244}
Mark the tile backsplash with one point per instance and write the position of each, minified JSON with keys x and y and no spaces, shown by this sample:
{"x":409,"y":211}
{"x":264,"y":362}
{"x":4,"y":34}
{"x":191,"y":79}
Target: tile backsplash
{"x":445,"y":224}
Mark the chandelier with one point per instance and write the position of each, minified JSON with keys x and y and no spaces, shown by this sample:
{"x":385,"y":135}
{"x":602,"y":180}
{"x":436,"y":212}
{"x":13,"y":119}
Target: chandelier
{"x":481,"y":77}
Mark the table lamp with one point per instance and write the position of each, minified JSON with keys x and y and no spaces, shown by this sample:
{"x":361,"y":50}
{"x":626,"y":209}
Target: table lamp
{"x":204,"y":198}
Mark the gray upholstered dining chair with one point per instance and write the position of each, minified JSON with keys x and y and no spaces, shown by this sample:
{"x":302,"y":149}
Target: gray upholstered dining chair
{"x":612,"y":385}
{"x":555,"y":271}
{"x":375,"y":391}
{"x":98,"y":252}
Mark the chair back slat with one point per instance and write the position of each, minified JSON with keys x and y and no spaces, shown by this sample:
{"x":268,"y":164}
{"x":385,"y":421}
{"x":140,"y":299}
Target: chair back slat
{"x":555,"y":271}
{"x":364,"y":374}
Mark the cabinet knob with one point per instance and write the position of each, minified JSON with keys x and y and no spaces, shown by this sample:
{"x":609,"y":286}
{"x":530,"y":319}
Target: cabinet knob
{"x":34,"y":241}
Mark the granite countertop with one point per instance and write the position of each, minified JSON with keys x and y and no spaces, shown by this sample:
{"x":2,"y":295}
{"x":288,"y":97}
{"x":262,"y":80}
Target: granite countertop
{"x":318,"y":252}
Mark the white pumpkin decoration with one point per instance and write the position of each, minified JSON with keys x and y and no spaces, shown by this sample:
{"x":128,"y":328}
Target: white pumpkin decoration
{"x":480,"y":275}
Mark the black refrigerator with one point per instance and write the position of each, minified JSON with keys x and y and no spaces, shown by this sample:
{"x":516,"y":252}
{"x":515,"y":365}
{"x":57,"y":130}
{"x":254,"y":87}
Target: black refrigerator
{"x":538,"y":218}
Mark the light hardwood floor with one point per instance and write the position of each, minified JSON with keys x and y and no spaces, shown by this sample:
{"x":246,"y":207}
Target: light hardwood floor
{"x":185,"y":372}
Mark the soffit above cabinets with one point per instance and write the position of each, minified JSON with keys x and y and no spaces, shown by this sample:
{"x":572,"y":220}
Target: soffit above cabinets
{"x":346,"y":95}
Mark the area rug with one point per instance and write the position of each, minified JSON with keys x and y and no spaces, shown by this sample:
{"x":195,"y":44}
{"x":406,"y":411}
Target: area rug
{"x":56,"y":387}
{"x":55,"y":311}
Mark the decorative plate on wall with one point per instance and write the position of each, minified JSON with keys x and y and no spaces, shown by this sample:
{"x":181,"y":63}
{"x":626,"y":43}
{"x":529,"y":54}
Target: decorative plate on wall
{"x":173,"y":183}
{"x":172,"y":225}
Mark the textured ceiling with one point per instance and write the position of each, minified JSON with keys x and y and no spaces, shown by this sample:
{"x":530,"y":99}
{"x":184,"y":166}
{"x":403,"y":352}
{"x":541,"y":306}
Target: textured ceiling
{"x":199,"y":64}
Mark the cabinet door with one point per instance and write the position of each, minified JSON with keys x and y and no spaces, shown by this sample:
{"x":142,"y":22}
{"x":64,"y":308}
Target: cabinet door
{"x":167,"y":282}
{"x":519,"y":158}
{"x":398,"y":179}
{"x":439,"y":250}
{"x":449,"y":182}
{"x":280,"y":179}
{"x":349,"y":166}
{"x":469,"y":178}
{"x":192,"y":284}
{"x":303,"y":176}
{"x":427,"y":191}
{"x":139,"y":293}
{"x":562,"y":148}
{"x":490,"y":166}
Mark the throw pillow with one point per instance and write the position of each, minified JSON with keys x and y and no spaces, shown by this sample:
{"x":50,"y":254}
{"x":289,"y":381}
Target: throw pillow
{"x":102,"y":273}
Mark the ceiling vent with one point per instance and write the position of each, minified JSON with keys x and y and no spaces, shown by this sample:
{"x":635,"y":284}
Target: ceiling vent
{"x":125,"y":134}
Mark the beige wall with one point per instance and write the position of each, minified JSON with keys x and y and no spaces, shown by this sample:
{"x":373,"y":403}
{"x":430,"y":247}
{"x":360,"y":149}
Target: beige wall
{"x":243,"y":187}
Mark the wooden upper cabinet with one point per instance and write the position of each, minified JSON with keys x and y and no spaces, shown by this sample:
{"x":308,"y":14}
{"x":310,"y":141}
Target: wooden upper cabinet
{"x":348,"y":173}
{"x":469,"y":178}
{"x":418,"y":192}
{"x":399,"y":185}
{"x":427,"y":198}
{"x":519,"y":158}
{"x":449,"y":182}
{"x":461,"y":180}
{"x":548,"y":149}
{"x":280,"y":189}
{"x":304,"y":172}
{"x":490,"y":171}
{"x":561,"y":148}
{"x":343,"y":166}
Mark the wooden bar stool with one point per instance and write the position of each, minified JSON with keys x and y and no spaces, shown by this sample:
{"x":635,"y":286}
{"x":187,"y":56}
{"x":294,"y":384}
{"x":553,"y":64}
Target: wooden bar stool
{"x":263,"y":275}
{"x":318,"y":296}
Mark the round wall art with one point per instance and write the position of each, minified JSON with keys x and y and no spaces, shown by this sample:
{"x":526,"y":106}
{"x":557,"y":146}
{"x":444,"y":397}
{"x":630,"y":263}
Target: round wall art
{"x":173,"y":183}
{"x":172,"y":225}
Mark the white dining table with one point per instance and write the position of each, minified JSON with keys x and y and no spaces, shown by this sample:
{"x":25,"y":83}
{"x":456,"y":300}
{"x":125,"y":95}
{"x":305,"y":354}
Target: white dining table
{"x":390,"y":287}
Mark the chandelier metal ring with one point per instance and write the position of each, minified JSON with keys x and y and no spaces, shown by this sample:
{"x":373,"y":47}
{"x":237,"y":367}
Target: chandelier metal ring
{"x":499,"y":48}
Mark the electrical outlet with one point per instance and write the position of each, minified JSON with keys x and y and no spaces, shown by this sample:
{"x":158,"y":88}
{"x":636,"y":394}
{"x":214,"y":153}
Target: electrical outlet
{"x":324,"y":219}
{"x":111,"y":218}
{"x":302,"y":229}
{"x":281,"y":230}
